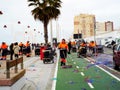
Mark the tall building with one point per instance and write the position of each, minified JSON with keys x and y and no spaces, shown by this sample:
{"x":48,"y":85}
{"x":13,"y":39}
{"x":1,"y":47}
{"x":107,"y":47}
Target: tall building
{"x":108,"y":26}
{"x":84,"y":24}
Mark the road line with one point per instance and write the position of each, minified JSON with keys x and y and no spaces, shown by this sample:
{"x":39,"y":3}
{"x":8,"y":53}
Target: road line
{"x":55,"y":74}
{"x":106,"y":71}
{"x":112,"y":69}
{"x":77,"y":66}
{"x":90,"y":85}
{"x":74,"y":62}
{"x":82,"y":74}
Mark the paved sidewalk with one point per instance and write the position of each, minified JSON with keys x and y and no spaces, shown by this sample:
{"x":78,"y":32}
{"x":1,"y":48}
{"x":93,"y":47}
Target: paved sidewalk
{"x":38,"y":75}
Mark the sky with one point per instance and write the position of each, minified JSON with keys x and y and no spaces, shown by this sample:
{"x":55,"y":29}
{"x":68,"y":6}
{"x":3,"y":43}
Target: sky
{"x":18,"y":10}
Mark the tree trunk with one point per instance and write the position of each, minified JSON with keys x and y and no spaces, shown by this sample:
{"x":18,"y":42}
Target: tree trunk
{"x":45,"y":33}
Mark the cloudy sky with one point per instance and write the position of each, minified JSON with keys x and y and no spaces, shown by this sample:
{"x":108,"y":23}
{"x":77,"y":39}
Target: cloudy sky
{"x":18,"y":10}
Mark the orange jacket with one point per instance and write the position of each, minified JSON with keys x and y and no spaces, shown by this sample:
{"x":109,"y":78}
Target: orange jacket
{"x":92,"y":44}
{"x":27,"y":44}
{"x":20,"y":44}
{"x":63,"y":45}
{"x":4,"y":46}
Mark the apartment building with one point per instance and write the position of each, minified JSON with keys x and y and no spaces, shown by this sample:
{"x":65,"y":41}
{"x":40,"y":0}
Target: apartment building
{"x":84,"y":24}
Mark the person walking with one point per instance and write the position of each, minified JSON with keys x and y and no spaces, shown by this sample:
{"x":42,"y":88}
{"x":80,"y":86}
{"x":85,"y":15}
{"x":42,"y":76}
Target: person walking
{"x":69,"y":47}
{"x":16,"y":49}
{"x":42,"y":48}
{"x":63,"y":51}
{"x":28,"y":49}
{"x":4,"y":49}
{"x":11,"y":51}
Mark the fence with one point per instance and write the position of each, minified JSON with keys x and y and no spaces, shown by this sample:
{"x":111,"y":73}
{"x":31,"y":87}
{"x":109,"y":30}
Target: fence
{"x":13,"y":63}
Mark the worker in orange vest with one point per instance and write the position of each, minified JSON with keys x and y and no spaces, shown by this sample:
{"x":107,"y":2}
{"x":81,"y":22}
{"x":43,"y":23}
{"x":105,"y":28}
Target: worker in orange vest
{"x":28,"y":49}
{"x":92,"y":46}
{"x":63,"y":51}
{"x":4,"y":49}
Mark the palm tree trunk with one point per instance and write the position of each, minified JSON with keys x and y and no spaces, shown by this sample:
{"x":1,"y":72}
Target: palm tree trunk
{"x":45,"y":33}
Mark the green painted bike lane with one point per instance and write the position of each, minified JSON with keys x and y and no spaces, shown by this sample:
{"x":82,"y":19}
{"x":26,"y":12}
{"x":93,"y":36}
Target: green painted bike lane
{"x":84,"y":76}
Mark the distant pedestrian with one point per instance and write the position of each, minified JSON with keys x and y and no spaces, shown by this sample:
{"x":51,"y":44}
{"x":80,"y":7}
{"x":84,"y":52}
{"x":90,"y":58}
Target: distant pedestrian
{"x":16,"y":49}
{"x":28,"y":49}
{"x":21,"y":48}
{"x":113,"y":42}
{"x":11,"y":51}
{"x":42,"y":48}
{"x":4,"y":50}
{"x":69,"y":47}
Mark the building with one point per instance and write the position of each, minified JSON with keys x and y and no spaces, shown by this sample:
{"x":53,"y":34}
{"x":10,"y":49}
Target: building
{"x":104,"y":27}
{"x":84,"y":24}
{"x":100,"y":28}
{"x":108,"y":26}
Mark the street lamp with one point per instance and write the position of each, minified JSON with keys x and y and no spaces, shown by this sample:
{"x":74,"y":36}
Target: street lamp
{"x":95,"y":35}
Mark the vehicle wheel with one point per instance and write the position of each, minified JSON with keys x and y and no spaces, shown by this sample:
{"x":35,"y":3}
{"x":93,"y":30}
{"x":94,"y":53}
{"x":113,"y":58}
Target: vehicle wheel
{"x":116,"y":67}
{"x":44,"y":61}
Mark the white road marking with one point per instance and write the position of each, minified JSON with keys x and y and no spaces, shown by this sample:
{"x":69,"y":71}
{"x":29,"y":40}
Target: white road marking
{"x":77,"y":66}
{"x":55,"y":74}
{"x":90,"y":85}
{"x":105,"y":71}
{"x":74,"y":62}
{"x":82,"y":74}
{"x":108,"y":73}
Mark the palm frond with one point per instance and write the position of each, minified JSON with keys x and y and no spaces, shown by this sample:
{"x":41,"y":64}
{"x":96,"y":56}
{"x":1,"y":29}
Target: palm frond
{"x":32,"y":4}
{"x":33,"y":0}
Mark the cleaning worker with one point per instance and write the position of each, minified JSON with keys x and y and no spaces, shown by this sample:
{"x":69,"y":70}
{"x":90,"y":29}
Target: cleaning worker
{"x":63,"y":51}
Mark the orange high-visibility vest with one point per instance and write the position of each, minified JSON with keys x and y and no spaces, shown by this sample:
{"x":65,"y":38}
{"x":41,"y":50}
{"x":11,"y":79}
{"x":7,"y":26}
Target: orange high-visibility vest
{"x":20,"y":44}
{"x":92,"y":44}
{"x":4,"y":46}
{"x":63,"y":45}
{"x":27,"y":44}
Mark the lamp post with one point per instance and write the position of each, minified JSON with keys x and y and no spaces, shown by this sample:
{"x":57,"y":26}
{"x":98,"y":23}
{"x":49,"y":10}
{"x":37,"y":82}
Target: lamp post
{"x":83,"y":27}
{"x":51,"y":32}
{"x":95,"y":35}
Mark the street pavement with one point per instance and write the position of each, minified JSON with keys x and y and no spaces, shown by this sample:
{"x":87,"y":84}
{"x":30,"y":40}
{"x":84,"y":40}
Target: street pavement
{"x":38,"y":75}
{"x":87,"y":74}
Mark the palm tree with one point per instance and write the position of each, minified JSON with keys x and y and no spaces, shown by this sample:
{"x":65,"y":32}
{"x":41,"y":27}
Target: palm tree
{"x":45,"y":10}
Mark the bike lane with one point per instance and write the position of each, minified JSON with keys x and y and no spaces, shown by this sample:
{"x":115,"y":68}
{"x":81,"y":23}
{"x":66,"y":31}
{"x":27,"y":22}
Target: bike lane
{"x":85,"y":75}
